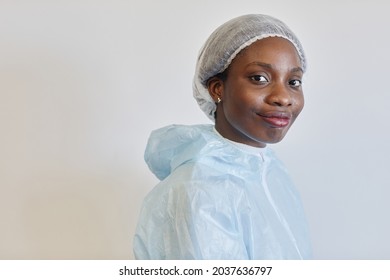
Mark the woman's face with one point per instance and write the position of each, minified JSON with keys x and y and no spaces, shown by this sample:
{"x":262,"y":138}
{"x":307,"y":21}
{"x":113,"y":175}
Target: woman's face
{"x":262,"y":94}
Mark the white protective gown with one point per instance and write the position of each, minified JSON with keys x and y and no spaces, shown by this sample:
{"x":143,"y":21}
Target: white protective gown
{"x":218,"y":200}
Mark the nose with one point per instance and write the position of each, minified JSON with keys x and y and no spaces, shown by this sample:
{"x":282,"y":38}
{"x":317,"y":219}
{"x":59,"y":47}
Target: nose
{"x":279,"y":96}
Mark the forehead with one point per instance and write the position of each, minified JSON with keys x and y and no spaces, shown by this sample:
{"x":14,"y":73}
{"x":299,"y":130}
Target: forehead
{"x":270,"y":49}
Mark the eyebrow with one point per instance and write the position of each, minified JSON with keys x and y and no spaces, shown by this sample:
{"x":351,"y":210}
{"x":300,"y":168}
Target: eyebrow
{"x":262,"y":64}
{"x":297,"y":69}
{"x":269,"y":66}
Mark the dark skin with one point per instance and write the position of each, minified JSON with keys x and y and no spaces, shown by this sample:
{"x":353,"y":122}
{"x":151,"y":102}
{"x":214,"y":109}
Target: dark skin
{"x":261,"y":95}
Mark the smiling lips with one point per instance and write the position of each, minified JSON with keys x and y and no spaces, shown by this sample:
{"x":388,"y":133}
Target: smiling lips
{"x":276,"y":119}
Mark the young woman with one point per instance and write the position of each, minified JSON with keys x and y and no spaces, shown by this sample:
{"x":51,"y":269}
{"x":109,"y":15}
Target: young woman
{"x":223,"y":193}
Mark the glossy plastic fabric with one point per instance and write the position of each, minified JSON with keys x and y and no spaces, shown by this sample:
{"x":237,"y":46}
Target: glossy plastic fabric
{"x":217,"y":200}
{"x":226,"y":42}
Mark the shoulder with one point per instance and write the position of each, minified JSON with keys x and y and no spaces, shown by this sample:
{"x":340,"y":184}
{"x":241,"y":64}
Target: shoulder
{"x":197,"y":182}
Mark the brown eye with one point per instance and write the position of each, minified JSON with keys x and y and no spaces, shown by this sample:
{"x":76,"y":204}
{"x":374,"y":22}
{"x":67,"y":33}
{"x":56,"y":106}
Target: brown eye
{"x":295,"y":83}
{"x":259,"y":79}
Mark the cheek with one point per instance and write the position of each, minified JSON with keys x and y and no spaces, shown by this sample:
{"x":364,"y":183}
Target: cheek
{"x":299,"y":104}
{"x":234,"y":99}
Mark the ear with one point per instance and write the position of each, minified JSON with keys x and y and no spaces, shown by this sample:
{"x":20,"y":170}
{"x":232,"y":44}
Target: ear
{"x":215,"y":86}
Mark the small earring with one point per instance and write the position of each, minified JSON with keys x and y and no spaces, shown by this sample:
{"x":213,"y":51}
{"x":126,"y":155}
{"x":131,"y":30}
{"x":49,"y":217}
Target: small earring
{"x":218,"y":100}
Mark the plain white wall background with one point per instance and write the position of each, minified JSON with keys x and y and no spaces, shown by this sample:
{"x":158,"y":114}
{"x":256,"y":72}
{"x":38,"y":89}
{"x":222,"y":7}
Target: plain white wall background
{"x":82,"y":84}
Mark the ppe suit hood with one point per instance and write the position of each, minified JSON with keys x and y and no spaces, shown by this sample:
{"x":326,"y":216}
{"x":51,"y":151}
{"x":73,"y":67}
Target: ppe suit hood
{"x":174,"y":145}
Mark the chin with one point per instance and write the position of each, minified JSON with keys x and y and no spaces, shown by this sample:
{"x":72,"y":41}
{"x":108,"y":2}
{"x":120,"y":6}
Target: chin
{"x":277,"y":136}
{"x":275,"y":140}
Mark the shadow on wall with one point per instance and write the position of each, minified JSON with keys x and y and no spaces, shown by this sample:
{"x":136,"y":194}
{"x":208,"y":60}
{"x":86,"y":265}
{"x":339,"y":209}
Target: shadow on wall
{"x":68,"y":186}
{"x":70,"y":216}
